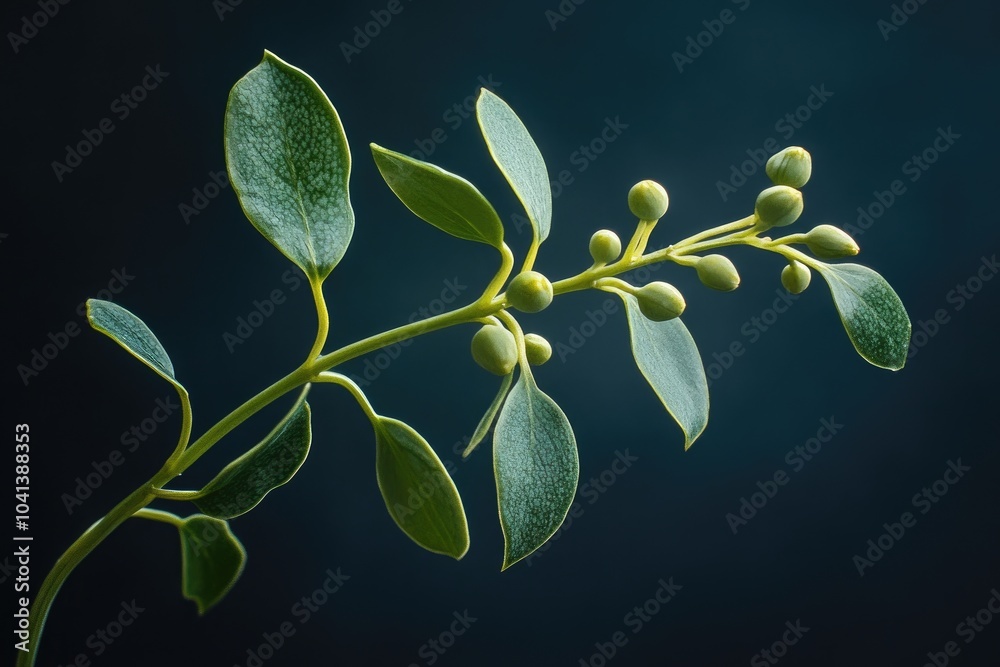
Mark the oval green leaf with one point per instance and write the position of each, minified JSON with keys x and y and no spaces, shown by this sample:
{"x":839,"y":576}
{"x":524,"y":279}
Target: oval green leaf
{"x":872,"y":313}
{"x":516,"y":154}
{"x":132,"y":334}
{"x":487,"y":421}
{"x":289,"y":164}
{"x":445,"y":200}
{"x":537,"y":469}
{"x":668,"y":358}
{"x":418,"y":492}
{"x":242,"y":484}
{"x":212,"y":560}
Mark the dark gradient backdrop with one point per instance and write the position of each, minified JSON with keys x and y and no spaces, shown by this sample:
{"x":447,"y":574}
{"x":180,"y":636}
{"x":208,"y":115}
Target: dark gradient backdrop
{"x":886,"y":95}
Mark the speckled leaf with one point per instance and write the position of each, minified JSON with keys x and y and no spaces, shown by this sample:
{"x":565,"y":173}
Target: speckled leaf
{"x":289,"y":164}
{"x":536,"y":467}
{"x":131,"y":333}
{"x":668,"y":358}
{"x":491,"y":413}
{"x":518,"y":158}
{"x":418,"y":492}
{"x":447,"y":201}
{"x":872,"y":313}
{"x":242,"y":484}
{"x":212,"y":560}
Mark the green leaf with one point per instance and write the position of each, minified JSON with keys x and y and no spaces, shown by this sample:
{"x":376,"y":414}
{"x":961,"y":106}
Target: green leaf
{"x":447,"y":201}
{"x":131,"y":333}
{"x":536,"y":467}
{"x":212,"y":559}
{"x":418,"y":492}
{"x":289,"y":164}
{"x":872,"y":313}
{"x":668,"y":358}
{"x":518,"y":158}
{"x":487,"y":421}
{"x":274,"y":461}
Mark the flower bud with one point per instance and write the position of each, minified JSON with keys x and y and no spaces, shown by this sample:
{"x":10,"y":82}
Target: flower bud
{"x":791,"y":166}
{"x":529,"y":292}
{"x":778,"y":205}
{"x":796,"y":277}
{"x":537,"y":349}
{"x":718,"y":272}
{"x":605,"y":246}
{"x":829,"y":242}
{"x":648,"y":200}
{"x":660,"y":301}
{"x":495,"y":349}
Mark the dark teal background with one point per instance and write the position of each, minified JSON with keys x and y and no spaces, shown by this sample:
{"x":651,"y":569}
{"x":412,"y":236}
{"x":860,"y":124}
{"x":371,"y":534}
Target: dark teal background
{"x":665,"y":516}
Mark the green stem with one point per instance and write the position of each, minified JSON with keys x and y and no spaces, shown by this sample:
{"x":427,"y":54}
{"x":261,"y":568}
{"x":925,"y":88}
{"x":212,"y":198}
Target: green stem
{"x":323,"y":315}
{"x":353,"y":388}
{"x":159,"y":515}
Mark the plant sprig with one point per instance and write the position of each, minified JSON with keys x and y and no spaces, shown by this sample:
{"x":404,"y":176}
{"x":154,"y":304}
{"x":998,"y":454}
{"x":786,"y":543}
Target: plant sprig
{"x":289,"y":162}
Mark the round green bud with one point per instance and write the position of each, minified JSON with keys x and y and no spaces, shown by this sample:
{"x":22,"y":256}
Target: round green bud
{"x":791,"y":166}
{"x":718,"y":272}
{"x":495,"y":349}
{"x":605,"y":246}
{"x":796,"y":277}
{"x":829,"y":242}
{"x":537,"y":349}
{"x":778,"y":205}
{"x":648,"y":200}
{"x":530,"y":292}
{"x":660,"y":301}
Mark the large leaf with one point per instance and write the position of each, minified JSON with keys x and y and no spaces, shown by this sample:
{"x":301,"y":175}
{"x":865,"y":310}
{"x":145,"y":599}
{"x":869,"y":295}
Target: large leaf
{"x":872,"y":313}
{"x":668,"y":358}
{"x":212,"y":559}
{"x":491,"y":413}
{"x":447,"y":201}
{"x":289,"y":164}
{"x":418,"y":492}
{"x":131,"y":333}
{"x":518,"y":158}
{"x":243,"y":483}
{"x":537,"y":469}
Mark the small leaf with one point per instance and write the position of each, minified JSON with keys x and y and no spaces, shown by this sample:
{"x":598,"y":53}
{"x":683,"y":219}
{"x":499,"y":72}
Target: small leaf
{"x":668,"y":358}
{"x":447,"y":201}
{"x":536,"y":467}
{"x":289,"y":164}
{"x":418,"y":492}
{"x":872,"y":313}
{"x":212,"y":559}
{"x":274,"y":461}
{"x":487,"y":421}
{"x":131,"y":333}
{"x":518,"y":158}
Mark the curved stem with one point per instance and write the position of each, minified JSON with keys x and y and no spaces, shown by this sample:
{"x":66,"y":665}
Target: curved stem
{"x":529,"y":257}
{"x":352,"y":387}
{"x":323,"y":315}
{"x":506,"y":265}
{"x":186,"y":424}
{"x":159,"y":515}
